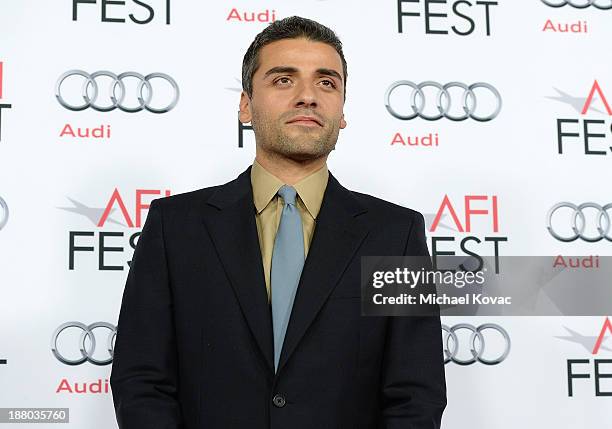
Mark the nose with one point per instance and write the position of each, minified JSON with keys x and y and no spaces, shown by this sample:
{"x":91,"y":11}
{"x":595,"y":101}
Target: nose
{"x":305,"y":96}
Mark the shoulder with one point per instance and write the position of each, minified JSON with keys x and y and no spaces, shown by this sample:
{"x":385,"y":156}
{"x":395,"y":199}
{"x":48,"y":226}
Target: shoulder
{"x":184,"y":206}
{"x":191,"y":201}
{"x":390,"y":212}
{"x":185,"y":200}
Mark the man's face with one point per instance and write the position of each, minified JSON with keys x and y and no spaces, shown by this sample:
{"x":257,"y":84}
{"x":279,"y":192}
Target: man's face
{"x":297,"y":100}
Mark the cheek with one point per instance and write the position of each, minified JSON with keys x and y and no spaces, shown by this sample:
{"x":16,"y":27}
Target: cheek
{"x":270,"y":107}
{"x":333,"y":105}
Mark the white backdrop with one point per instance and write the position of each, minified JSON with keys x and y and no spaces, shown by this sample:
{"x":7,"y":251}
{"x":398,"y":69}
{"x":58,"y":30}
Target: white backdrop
{"x":55,"y":184}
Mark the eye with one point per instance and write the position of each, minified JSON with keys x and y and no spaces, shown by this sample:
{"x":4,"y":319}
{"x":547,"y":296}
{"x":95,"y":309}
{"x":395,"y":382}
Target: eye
{"x":329,"y":83}
{"x":283,"y":80}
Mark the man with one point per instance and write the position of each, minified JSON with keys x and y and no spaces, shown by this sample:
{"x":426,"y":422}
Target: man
{"x":242,"y":304}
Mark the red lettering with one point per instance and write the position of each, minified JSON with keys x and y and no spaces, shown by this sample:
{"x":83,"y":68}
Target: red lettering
{"x":115,"y":197}
{"x":64,"y":386}
{"x":446,"y":203}
{"x":549,"y":26}
{"x":469,"y":211}
{"x":397,"y":138}
{"x":67,"y":130}
{"x":233,"y":15}
{"x":559,"y":261}
{"x":607,"y":325}
{"x":589,"y":99}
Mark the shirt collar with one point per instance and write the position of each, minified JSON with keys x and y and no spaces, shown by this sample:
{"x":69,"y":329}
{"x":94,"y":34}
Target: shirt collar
{"x":310,"y":189}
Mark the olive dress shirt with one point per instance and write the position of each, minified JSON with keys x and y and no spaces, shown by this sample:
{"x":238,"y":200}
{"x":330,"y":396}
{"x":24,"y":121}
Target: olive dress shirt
{"x":269,"y":207}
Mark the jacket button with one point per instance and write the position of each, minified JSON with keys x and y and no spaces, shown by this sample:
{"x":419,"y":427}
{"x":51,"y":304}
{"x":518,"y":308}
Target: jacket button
{"x":279,"y":401}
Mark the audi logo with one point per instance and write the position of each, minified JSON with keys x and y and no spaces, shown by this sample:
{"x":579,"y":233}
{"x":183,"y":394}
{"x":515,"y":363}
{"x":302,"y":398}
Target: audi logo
{"x":443,"y":101}
{"x":117,"y":93}
{"x":601,"y":221}
{"x":599,"y":4}
{"x":450,"y":342}
{"x":477,"y":348}
{"x":87,"y":354}
{"x":4,"y":213}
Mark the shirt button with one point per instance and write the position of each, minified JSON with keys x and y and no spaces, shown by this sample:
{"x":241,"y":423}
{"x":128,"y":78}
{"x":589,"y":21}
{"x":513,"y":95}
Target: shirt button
{"x":279,"y":401}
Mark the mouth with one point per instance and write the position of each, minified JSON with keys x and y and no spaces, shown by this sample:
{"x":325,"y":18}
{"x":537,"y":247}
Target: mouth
{"x":308,"y":121}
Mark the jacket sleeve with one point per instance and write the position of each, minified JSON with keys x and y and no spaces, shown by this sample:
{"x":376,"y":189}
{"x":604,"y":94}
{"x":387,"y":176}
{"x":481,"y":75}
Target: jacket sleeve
{"x":413,"y":381}
{"x":144,"y":373}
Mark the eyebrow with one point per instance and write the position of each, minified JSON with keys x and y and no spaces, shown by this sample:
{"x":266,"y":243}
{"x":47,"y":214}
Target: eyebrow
{"x":289,"y":69}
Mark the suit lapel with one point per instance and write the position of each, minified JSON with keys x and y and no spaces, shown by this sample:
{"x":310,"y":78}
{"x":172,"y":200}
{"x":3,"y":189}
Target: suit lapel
{"x":230,"y":220}
{"x":338,"y":234}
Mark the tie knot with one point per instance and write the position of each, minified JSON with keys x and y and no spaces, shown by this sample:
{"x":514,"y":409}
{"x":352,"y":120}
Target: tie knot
{"x":288,"y":193}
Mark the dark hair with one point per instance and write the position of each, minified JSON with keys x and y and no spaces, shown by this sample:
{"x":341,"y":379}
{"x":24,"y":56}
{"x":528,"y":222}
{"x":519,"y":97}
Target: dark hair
{"x":292,"y":27}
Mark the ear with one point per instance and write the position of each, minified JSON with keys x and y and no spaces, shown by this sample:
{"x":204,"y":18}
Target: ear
{"x":342,"y":122}
{"x":244,"y":114}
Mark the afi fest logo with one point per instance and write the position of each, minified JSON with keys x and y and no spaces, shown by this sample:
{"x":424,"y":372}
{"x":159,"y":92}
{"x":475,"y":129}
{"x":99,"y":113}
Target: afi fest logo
{"x":2,"y":105}
{"x":111,"y":223}
{"x":443,"y":18}
{"x":119,"y":12}
{"x":595,"y":369}
{"x":470,"y":227}
{"x":588,"y":130}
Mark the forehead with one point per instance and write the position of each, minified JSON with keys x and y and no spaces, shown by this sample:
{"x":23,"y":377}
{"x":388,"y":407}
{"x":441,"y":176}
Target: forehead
{"x":301,"y":53}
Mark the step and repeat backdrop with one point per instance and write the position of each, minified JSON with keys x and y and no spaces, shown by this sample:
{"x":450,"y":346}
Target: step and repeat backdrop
{"x":492,"y":118}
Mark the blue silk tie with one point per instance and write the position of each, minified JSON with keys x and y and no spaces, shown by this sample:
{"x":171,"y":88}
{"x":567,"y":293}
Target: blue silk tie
{"x":287,"y":264}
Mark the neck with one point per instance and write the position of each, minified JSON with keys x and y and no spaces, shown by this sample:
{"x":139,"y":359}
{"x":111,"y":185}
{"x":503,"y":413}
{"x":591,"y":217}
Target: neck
{"x":290,"y":171}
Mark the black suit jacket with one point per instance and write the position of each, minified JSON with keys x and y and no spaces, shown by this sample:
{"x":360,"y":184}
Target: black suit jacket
{"x":194,"y":347}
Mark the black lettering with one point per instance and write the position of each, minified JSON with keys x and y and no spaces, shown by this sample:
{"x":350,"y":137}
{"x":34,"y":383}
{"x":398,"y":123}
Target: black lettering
{"x":496,"y":241}
{"x":429,"y":14}
{"x":561,"y":134}
{"x":401,"y":14}
{"x":105,"y":3}
{"x":469,"y":253}
{"x":571,"y":375}
{"x":435,"y":252}
{"x":241,"y":128}
{"x":599,"y":375}
{"x":146,"y":6}
{"x":103,"y":249}
{"x":467,"y":18}
{"x":72,"y":248}
{"x":587,"y":151}
{"x":486,"y":4}
{"x":74,"y":6}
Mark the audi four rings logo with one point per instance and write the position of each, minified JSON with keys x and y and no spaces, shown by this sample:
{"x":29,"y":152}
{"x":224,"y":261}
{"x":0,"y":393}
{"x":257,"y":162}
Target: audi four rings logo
{"x":443,"y":101}
{"x":599,"y":4}
{"x":477,"y":348}
{"x":4,"y":213}
{"x":450,"y":342}
{"x":117,"y":94}
{"x":601,"y":221}
{"x":87,"y":354}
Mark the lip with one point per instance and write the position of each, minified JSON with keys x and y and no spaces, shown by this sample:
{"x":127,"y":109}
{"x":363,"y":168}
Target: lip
{"x":310,"y":121}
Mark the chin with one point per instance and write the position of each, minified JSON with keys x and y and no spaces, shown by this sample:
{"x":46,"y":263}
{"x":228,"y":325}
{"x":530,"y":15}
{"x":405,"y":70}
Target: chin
{"x":307,"y":154}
